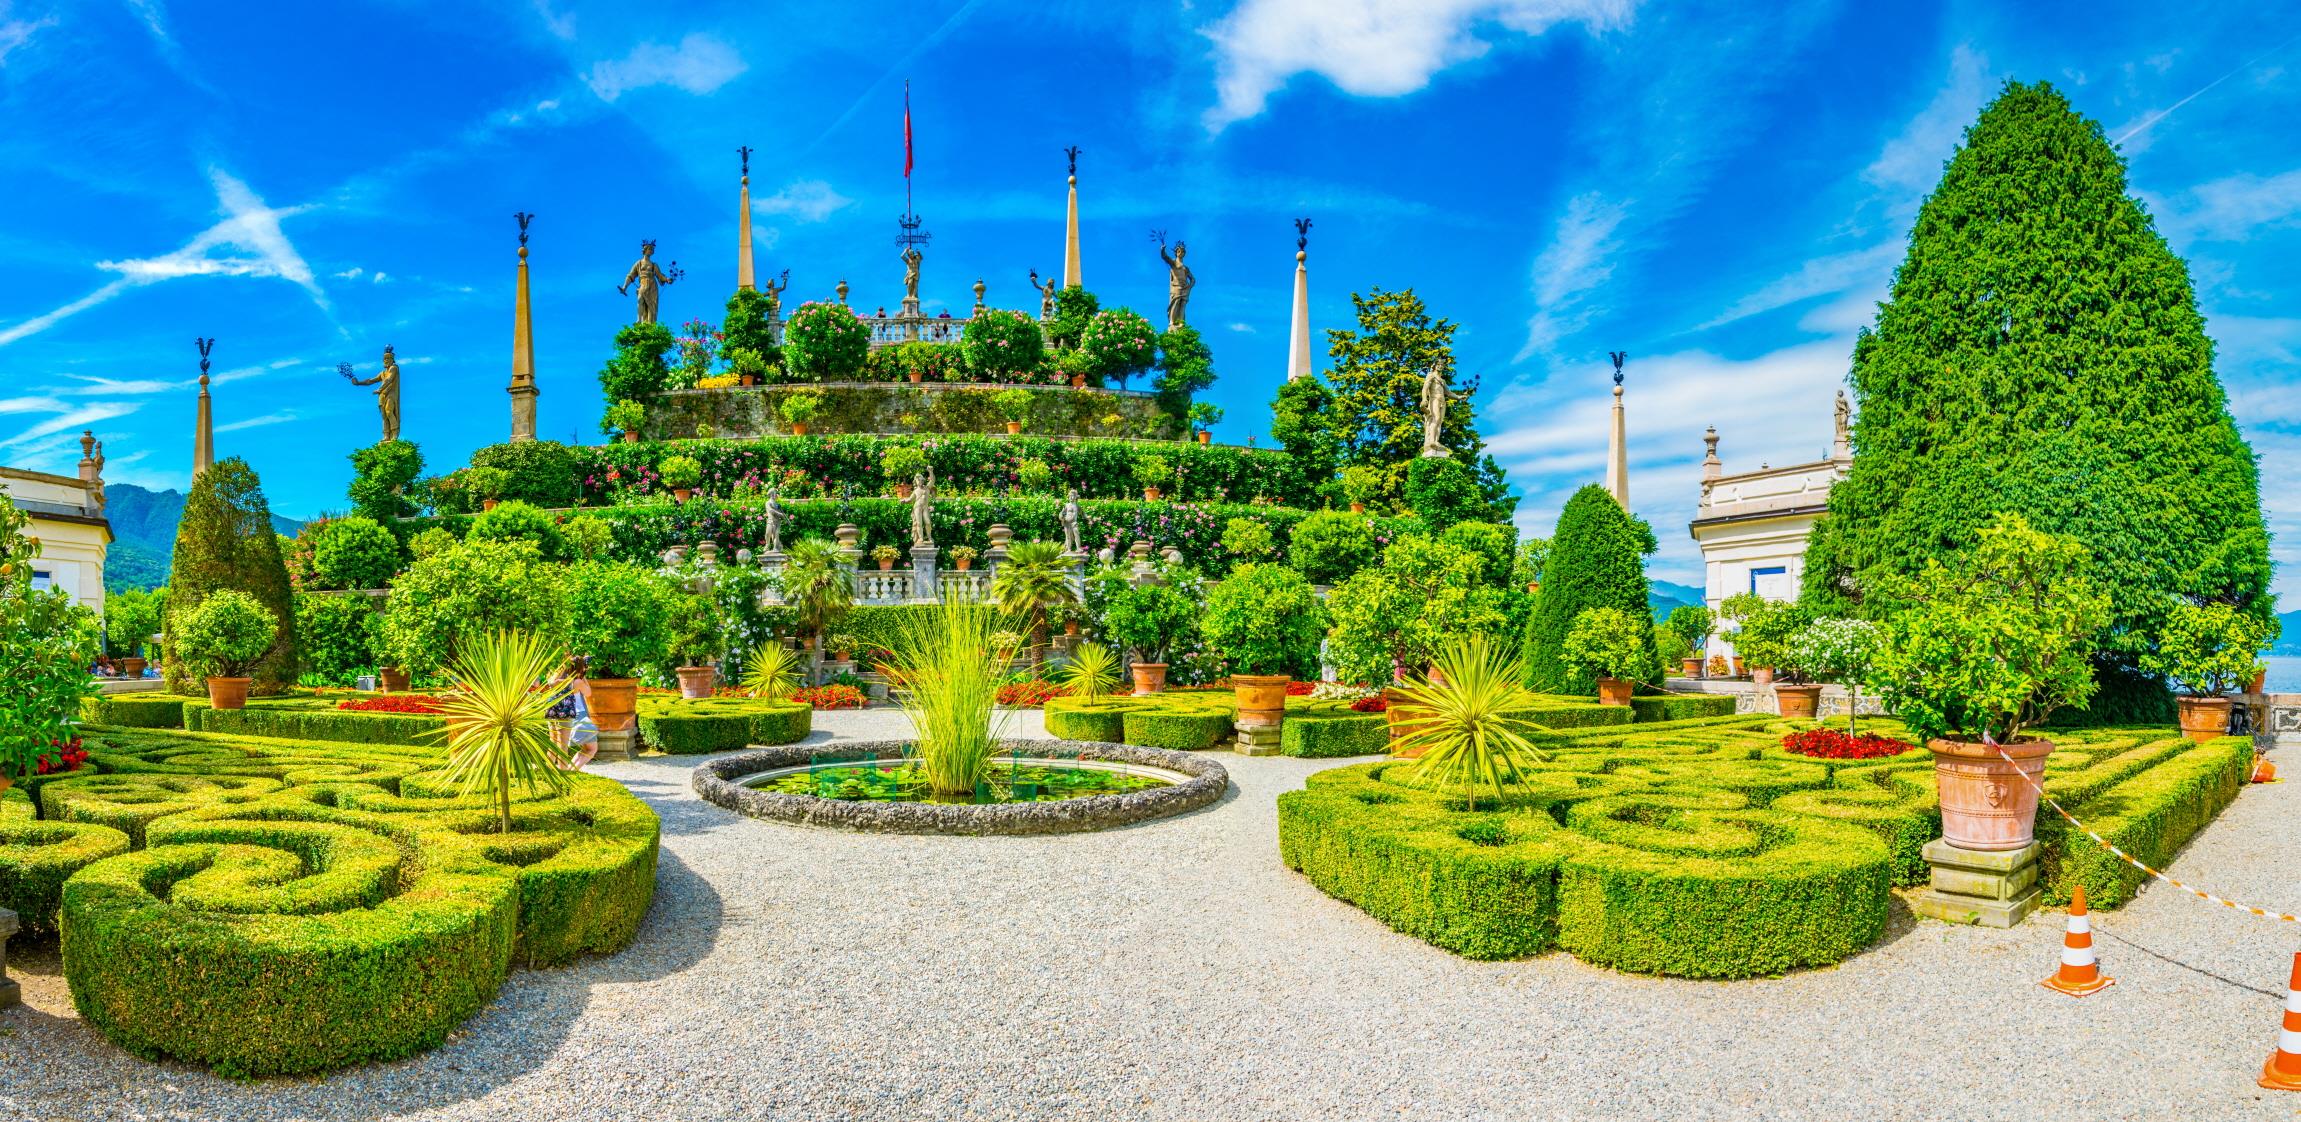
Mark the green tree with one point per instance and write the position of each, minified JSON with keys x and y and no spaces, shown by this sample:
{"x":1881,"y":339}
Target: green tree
{"x":355,"y":552}
{"x":1376,"y":374}
{"x":46,"y":644}
{"x":637,"y":372}
{"x":225,"y":540}
{"x":1298,"y":422}
{"x":131,"y":617}
{"x":1596,"y":560}
{"x":2041,"y":354}
{"x":1444,"y":492}
{"x":448,"y":600}
{"x":1186,"y":367}
{"x":1264,"y":620}
{"x":1075,"y":308}
{"x":381,"y":473}
{"x":745,"y":328}
{"x":1395,"y":616}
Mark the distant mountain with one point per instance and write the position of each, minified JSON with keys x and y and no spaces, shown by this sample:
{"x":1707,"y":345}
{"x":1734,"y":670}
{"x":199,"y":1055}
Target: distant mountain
{"x":144,"y":534}
{"x":1663,"y":595}
{"x":2288,"y":639}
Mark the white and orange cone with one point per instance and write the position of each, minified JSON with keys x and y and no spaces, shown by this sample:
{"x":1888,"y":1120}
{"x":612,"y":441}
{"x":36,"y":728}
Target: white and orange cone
{"x":2080,"y":974}
{"x":2283,"y":1071}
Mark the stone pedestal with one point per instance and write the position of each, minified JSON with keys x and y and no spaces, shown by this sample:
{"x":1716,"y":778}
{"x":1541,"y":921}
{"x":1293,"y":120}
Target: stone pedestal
{"x":621,"y":744}
{"x":926,"y":585}
{"x":1257,"y":740}
{"x":10,"y":992}
{"x":1990,"y":888}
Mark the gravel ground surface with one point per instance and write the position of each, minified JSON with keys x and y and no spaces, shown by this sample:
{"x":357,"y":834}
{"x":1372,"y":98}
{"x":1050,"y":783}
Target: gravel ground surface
{"x":1175,"y":970}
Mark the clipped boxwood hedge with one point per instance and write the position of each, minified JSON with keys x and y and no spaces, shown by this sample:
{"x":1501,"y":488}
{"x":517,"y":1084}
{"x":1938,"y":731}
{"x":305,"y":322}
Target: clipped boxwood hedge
{"x":37,"y":857}
{"x":1654,"y":708}
{"x":1180,"y":729}
{"x":303,"y":718}
{"x":1321,"y":735}
{"x":268,"y":906}
{"x":1103,"y":722}
{"x":678,"y":726}
{"x":136,"y":710}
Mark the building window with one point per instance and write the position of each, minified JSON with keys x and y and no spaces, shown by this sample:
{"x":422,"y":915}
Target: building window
{"x":42,"y":581}
{"x":1773,"y":583}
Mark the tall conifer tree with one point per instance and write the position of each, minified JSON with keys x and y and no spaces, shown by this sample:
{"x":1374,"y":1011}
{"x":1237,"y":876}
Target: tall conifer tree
{"x":225,"y":540}
{"x":1597,"y":559}
{"x":2042,"y":353}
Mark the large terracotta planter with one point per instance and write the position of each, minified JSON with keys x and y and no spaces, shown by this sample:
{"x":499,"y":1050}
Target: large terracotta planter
{"x":1691,"y":667}
{"x":964,"y":563}
{"x":1014,"y":428}
{"x":486,"y":505}
{"x":1261,"y":698}
{"x":228,"y":693}
{"x":886,"y":564}
{"x":1761,"y":675}
{"x":917,"y":377}
{"x":1614,"y":691}
{"x":1205,"y":437}
{"x":614,"y":703}
{"x":631,"y":438}
{"x":132,"y":667}
{"x":1396,"y":718}
{"x":394,"y":679}
{"x":1358,"y":508}
{"x":1150,"y":494}
{"x":1150,"y":678}
{"x":695,"y":682}
{"x":1985,"y":804}
{"x":1737,"y":665}
{"x":2203,"y":718}
{"x":2260,"y":682}
{"x":681,"y":493}
{"x":798,"y":428}
{"x":1078,"y":381}
{"x":1798,"y":703}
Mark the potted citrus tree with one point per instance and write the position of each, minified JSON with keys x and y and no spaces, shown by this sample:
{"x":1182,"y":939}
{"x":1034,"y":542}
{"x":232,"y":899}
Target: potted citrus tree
{"x":1693,"y":624}
{"x":1152,"y":473}
{"x":681,"y":474}
{"x":1842,"y":651}
{"x":1149,"y":620}
{"x":1015,"y":406}
{"x":617,"y":616}
{"x":799,"y":409}
{"x":886,"y":556}
{"x":1986,"y":649}
{"x":1265,"y":623}
{"x":623,"y":420}
{"x":2206,"y":651}
{"x":696,"y":628}
{"x":1608,"y":644}
{"x":964,"y":556}
{"x":900,"y":463}
{"x":1204,"y":415}
{"x":1763,"y":633}
{"x":222,"y":639}
{"x":1362,"y":484}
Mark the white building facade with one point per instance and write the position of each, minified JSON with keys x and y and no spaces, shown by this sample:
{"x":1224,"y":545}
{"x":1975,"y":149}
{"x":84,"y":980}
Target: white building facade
{"x":1753,"y":526}
{"x":67,"y":519}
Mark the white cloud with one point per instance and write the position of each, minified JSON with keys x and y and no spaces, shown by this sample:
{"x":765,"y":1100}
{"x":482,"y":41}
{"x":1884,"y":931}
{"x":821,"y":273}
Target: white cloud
{"x":1371,"y":48}
{"x":1243,"y":328}
{"x":807,"y":200}
{"x":1910,"y":164}
{"x":1818,"y":276}
{"x":258,"y":422}
{"x":117,"y":387}
{"x":353,"y":273}
{"x":560,"y":26}
{"x":1578,"y":259}
{"x":699,"y":64}
{"x":2234,"y":207}
{"x":82,"y":416}
{"x":31,"y":405}
{"x":15,"y":33}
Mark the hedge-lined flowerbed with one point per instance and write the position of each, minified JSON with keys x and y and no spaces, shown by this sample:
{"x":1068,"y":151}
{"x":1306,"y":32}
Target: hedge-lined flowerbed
{"x":1697,"y":847}
{"x":271,"y":906}
{"x":135,"y":710}
{"x":677,"y":726}
{"x":308,"y":718}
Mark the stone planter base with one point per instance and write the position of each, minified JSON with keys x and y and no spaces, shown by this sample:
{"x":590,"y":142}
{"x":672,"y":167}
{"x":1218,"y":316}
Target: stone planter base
{"x":1256,"y":740}
{"x":10,"y":992}
{"x":616,"y":745}
{"x":1992,"y":889}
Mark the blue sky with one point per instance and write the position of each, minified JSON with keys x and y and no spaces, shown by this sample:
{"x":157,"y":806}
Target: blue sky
{"x":1721,"y":191}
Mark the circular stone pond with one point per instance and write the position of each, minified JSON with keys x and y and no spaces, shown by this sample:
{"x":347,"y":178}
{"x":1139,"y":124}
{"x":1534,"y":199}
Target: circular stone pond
{"x":1036,"y":787}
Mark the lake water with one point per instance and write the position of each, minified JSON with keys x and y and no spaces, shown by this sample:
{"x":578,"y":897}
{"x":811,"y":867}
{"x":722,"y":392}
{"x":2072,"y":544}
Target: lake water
{"x":2284,"y":673}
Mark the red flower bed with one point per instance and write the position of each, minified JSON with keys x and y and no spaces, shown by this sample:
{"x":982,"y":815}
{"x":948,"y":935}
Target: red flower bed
{"x":411,"y":703}
{"x":1300,"y":689}
{"x":1831,"y":744}
{"x":68,"y":756}
{"x":1373,"y":704}
{"x":1033,"y":693}
{"x":831,"y":697}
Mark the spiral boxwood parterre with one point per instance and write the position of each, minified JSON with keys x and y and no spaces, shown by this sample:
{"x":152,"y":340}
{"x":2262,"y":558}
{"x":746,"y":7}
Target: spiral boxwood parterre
{"x":1700,"y":848}
{"x":292,"y":907}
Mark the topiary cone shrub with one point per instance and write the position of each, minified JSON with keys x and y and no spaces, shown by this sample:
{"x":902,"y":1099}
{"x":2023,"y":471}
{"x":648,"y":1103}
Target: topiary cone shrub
{"x":1597,"y":560}
{"x":225,"y":540}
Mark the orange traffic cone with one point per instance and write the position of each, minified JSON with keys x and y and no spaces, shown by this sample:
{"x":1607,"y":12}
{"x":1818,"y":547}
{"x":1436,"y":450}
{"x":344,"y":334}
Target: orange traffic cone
{"x":2283,"y":1071}
{"x":2080,"y":974}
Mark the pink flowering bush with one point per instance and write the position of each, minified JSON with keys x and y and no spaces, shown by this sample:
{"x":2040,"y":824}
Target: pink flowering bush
{"x":1000,"y":344}
{"x":824,"y":342}
{"x":1119,"y":344}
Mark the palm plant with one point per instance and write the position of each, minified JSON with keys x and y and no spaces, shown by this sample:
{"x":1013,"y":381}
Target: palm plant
{"x":1460,"y":718}
{"x":951,"y":685}
{"x":1092,"y":672}
{"x":1032,"y":579}
{"x":817,"y":585}
{"x":495,"y":728}
{"x":772,"y":672}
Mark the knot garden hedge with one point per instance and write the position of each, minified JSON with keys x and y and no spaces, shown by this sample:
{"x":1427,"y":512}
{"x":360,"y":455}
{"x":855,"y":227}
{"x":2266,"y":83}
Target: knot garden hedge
{"x":1701,"y":848}
{"x":272,"y":907}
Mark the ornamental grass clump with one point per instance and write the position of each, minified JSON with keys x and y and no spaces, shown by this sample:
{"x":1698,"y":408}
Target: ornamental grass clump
{"x":1463,"y":728}
{"x":1092,"y":672}
{"x":495,"y":730}
{"x":943,"y":658}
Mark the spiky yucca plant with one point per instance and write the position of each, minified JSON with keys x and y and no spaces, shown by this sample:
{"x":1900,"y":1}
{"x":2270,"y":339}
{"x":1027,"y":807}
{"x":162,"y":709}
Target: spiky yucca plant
{"x":1092,"y":671}
{"x":1462,"y":725}
{"x":950,"y":691}
{"x":495,"y":731}
{"x":772,"y":674}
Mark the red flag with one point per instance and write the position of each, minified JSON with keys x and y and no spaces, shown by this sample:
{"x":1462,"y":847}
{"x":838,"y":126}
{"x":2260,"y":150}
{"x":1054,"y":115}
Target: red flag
{"x":906,"y":128}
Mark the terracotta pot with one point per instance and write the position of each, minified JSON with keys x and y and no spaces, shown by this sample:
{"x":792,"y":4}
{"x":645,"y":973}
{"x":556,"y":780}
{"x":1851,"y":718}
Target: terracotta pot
{"x":1358,"y":508}
{"x":1738,"y":671}
{"x":132,"y":667}
{"x":486,"y":504}
{"x":1614,"y":691}
{"x":2203,"y":718}
{"x":695,"y":682}
{"x":1205,"y":437}
{"x":1691,"y":667}
{"x":1150,"y":678}
{"x":681,"y":493}
{"x":1014,"y":428}
{"x":1395,"y":718}
{"x":1985,"y":805}
{"x":2261,"y":682}
{"x":1435,"y":677}
{"x":1070,"y":627}
{"x":394,"y":679}
{"x":2264,"y":769}
{"x":916,"y":376}
{"x":746,"y":379}
{"x":631,"y":438}
{"x":886,"y":564}
{"x":1798,"y":703}
{"x":1078,"y":381}
{"x":1261,"y":698}
{"x":1760,"y":675}
{"x":228,"y":693}
{"x":798,"y":428}
{"x":614,"y":701}
{"x":902,"y":490}
{"x":964,"y":563}
{"x":1150,"y":494}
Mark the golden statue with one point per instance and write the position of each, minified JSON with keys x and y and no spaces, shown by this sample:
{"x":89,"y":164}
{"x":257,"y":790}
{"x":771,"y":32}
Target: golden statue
{"x":650,"y":278}
{"x":1179,"y":282}
{"x":386,"y":390}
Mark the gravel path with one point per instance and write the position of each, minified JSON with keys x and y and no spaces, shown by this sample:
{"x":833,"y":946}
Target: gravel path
{"x":1175,"y":970}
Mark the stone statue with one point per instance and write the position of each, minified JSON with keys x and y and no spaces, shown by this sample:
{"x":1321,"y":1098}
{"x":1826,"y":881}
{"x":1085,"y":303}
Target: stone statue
{"x":1046,"y":294}
{"x":1435,"y":397}
{"x":1070,"y":518}
{"x":1845,"y":413}
{"x":775,"y":514}
{"x":774,"y":291}
{"x":911,"y":259}
{"x":650,"y":278}
{"x":1179,"y":282}
{"x":387,"y":391}
{"x":923,"y":508}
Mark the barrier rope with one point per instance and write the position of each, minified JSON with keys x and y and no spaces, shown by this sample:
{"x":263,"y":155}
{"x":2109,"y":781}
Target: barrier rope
{"x":2127,"y":857}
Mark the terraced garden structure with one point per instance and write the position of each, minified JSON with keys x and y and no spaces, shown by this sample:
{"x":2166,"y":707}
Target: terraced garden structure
{"x":271,"y":907}
{"x":1701,"y":848}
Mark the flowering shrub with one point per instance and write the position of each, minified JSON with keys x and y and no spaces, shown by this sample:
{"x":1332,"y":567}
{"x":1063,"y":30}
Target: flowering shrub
{"x":1000,"y":341}
{"x":1032,"y":693}
{"x":1119,"y":344}
{"x":824,"y":342}
{"x":1300,"y":688}
{"x":1831,"y":744}
{"x":1339,"y":691}
{"x":411,"y":703}
{"x":831,"y":697}
{"x":68,"y":756}
{"x":1373,"y":703}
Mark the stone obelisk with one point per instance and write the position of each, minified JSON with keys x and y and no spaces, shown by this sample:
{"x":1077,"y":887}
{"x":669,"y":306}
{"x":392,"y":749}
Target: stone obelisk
{"x":1071,"y":278}
{"x":522,"y":348}
{"x":204,"y":424}
{"x":743,"y":227}
{"x":1617,"y":443}
{"x":1298,"y":331}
